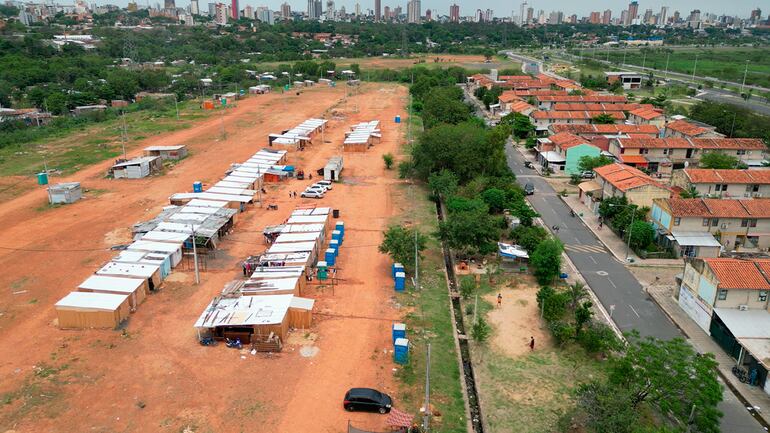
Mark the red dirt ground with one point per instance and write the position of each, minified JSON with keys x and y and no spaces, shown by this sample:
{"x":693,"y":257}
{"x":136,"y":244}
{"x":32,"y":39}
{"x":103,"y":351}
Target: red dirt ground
{"x":155,"y":376}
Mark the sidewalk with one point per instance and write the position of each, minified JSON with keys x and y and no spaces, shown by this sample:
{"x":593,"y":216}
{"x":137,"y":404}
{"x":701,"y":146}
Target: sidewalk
{"x":610,"y":240}
{"x":703,"y":343}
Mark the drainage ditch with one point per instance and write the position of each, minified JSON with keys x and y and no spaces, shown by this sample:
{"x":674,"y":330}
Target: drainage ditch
{"x":462,"y":339}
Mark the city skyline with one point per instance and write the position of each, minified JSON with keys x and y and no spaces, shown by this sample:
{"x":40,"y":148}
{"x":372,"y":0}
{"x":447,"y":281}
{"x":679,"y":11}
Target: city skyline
{"x":740,"y":8}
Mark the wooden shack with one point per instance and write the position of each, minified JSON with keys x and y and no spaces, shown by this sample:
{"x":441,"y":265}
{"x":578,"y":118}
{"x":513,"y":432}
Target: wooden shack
{"x":151,"y":273}
{"x":301,"y":313}
{"x":246,"y":317}
{"x":81,"y":310}
{"x":171,"y":153}
{"x":136,"y":168}
{"x":134,"y":288}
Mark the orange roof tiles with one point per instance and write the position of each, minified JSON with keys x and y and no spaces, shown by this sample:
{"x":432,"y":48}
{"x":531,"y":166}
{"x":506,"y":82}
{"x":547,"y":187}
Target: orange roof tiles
{"x":593,"y":106}
{"x":686,"y":128}
{"x":648,"y":130}
{"x":617,"y":115}
{"x":642,"y":143}
{"x":508,"y":96}
{"x":520,"y":107}
{"x":624,"y":177}
{"x":707,"y":175}
{"x":729,"y":143}
{"x":566,"y":140}
{"x":719,"y":208}
{"x":738,"y":274}
{"x":633,"y":159}
{"x":647,"y":113}
{"x":583,"y":98}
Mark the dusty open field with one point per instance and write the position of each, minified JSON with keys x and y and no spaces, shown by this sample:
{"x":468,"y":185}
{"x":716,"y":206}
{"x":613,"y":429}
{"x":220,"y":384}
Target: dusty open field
{"x":468,"y":61}
{"x":154,"y":376}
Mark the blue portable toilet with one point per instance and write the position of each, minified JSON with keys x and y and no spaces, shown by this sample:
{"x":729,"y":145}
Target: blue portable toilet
{"x":399,"y":331}
{"x":330,"y":256}
{"x":198,"y":186}
{"x":400,"y":281}
{"x":401,"y":350}
{"x":334,"y":243}
{"x":397,"y":267}
{"x":337,"y":235}
{"x":341,"y":227}
{"x":398,"y":119}
{"x":42,"y":178}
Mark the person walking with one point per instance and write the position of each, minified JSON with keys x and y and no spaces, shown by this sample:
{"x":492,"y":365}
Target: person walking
{"x":499,"y":300}
{"x":531,"y":343}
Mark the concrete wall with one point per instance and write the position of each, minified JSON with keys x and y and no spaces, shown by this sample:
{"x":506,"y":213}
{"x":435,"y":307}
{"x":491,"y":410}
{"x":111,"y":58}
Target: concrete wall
{"x":742,"y":297}
{"x":574,"y":154}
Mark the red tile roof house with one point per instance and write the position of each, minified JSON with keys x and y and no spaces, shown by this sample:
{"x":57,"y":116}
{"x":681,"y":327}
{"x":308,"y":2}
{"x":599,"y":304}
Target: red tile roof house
{"x":647,"y":116}
{"x":681,"y":128}
{"x":724,"y":183}
{"x":619,"y":180}
{"x":562,"y":152}
{"x":742,"y":224}
{"x":544,"y":119}
{"x":663,"y":155}
{"x":546,"y":102}
{"x":728,"y":299}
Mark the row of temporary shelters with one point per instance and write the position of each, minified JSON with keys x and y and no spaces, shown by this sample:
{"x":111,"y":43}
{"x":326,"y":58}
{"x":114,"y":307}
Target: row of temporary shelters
{"x":299,"y":136}
{"x":361,"y":136}
{"x":261,"y":309}
{"x":105,"y":299}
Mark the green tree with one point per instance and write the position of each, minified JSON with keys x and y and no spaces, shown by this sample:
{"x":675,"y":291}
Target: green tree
{"x":472,"y":231}
{"x":690,"y":192}
{"x":444,"y":105}
{"x":577,"y":292}
{"x":56,"y":103}
{"x":521,"y":125}
{"x":642,"y":234}
{"x":583,"y":316}
{"x":467,"y":286}
{"x":443,"y":183}
{"x":480,"y":331}
{"x":546,"y":259}
{"x":602,"y":407}
{"x":529,"y":237}
{"x":672,"y":376}
{"x":589,"y":163}
{"x":495,"y":198}
{"x":603,"y":119}
{"x":399,"y":243}
{"x":388,"y":160}
{"x":718,"y":160}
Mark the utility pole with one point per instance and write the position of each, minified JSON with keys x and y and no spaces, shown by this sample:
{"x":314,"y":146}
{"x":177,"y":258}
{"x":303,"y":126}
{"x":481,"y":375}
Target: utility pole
{"x":745,"y":71}
{"x":691,"y":419}
{"x":222,"y":117}
{"x":124,"y":134}
{"x":665,"y":74}
{"x":195,"y":255}
{"x":644,"y":60}
{"x":416,"y":261}
{"x":426,"y":414}
{"x":630,"y":229}
{"x":176,"y":105}
{"x":695,"y":67}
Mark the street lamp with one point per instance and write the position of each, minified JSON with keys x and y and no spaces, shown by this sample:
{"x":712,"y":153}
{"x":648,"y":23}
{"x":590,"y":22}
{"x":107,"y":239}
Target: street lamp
{"x":630,"y":226}
{"x":745,"y":71}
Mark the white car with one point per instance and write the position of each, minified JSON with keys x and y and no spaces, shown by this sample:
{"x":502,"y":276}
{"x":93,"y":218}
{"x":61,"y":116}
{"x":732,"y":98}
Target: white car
{"x":324,"y":183}
{"x":320,"y":188}
{"x":312,"y":194}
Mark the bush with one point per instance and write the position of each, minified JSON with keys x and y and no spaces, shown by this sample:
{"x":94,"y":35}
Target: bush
{"x":467,"y":287}
{"x":599,"y":338}
{"x":553,"y":304}
{"x":562,"y":332}
{"x":405,"y":169}
{"x":480,"y":332}
{"x":388,"y":159}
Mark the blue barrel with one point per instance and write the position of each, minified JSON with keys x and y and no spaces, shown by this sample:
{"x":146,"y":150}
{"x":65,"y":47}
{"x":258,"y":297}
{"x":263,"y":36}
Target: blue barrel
{"x":397,"y":267}
{"x":330,"y":256}
{"x":563,"y":275}
{"x":337,"y":235}
{"x":341,"y":227}
{"x":42,"y":178}
{"x":401,"y":350}
{"x":197,"y":186}
{"x":400,"y":281}
{"x":399,"y":331}
{"x":398,"y":119}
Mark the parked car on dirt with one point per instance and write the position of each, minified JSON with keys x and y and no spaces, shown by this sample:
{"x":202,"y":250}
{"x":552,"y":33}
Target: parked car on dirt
{"x":325,"y":183}
{"x":587,"y":175}
{"x":316,"y":188}
{"x":312,"y":194}
{"x":367,"y":400}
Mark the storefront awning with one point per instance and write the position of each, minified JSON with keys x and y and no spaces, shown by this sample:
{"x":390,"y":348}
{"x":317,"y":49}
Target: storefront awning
{"x":553,"y":157}
{"x":695,"y":239}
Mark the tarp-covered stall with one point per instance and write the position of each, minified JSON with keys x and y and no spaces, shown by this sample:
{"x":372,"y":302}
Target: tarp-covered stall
{"x":80,"y":310}
{"x":133,"y":270}
{"x":246,"y":317}
{"x":134,"y":288}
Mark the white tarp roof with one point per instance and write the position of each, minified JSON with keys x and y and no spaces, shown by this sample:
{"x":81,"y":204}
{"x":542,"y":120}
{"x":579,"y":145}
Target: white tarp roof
{"x":164,"y":148}
{"x":312,"y":211}
{"x":298,"y":257}
{"x":302,"y":228}
{"x":302,"y":303}
{"x":229,"y":190}
{"x":245,"y":311}
{"x":307,"y":219}
{"x":292,"y":247}
{"x":241,"y":177}
{"x":92,"y":301}
{"x":298,"y":237}
{"x":165,"y":236}
{"x":196,"y":202}
{"x":194,"y":217}
{"x":113,"y":284}
{"x":202,"y":210}
{"x":277,"y":272}
{"x":552,"y":156}
{"x":233,"y":184}
{"x":212,"y":196}
{"x":269,"y":285}
{"x":128,"y":269}
{"x":130,"y":256}
{"x":696,"y":239}
{"x":164,"y":247}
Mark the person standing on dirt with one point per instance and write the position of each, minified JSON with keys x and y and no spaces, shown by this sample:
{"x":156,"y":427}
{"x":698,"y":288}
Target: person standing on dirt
{"x":531,"y":343}
{"x":499,"y":300}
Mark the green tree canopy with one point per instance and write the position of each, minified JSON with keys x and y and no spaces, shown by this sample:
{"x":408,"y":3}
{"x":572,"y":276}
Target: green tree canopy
{"x":443,"y":183}
{"x":399,"y":243}
{"x":719,"y":160}
{"x":589,"y":163}
{"x":472,"y":232}
{"x":603,"y":119}
{"x":546,"y":259}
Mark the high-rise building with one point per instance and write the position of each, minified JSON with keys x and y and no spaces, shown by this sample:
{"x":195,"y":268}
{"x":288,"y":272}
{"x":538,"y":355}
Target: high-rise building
{"x":377,"y":10}
{"x":756,"y":16}
{"x":454,"y":13}
{"x":248,"y":12}
{"x":286,"y":10}
{"x":387,"y":14}
{"x":541,"y":17}
{"x":265,"y":15}
{"x":633,"y":12}
{"x":530,"y":14}
{"x":234,"y":9}
{"x":330,"y":9}
{"x":413,"y":11}
{"x":169,"y":4}
{"x":595,"y":18}
{"x":607,"y":17}
{"x":663,"y":17}
{"x":694,"y":21}
{"x":523,"y":10}
{"x":220,"y":14}
{"x":428,"y":15}
{"x":212,"y":9}
{"x":624,"y":17}
{"x":319,"y":8}
{"x":647,"y":16}
{"x":194,"y":9}
{"x":358,"y":9}
{"x":556,"y":17}
{"x":489,"y":15}
{"x":479,"y":17}
{"x":132,"y":7}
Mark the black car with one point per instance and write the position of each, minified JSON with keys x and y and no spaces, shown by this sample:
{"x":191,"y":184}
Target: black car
{"x":529,"y":189}
{"x":367,"y":400}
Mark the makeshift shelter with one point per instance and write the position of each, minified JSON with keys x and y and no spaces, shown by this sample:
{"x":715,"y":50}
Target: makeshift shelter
{"x":301,"y":237}
{"x":234,"y":201}
{"x":333,"y":168}
{"x":259,"y":90}
{"x":246,"y":317}
{"x":171,"y":153}
{"x":133,"y":270}
{"x":310,"y":219}
{"x":159,"y":236}
{"x":362,"y":136}
{"x":162,"y":260}
{"x":301,"y":312}
{"x":137,"y":168}
{"x":79,"y":310}
{"x":171,"y":249}
{"x":295,"y":247}
{"x":134,"y":288}
{"x":278,"y":286}
{"x":64,"y":193}
{"x":286,"y":259}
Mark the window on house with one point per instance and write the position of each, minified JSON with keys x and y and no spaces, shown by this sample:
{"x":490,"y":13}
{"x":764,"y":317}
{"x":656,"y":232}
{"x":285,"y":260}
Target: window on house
{"x":622,"y":150}
{"x":763,"y":296}
{"x":721,"y":187}
{"x":722,"y":294}
{"x":706,"y":222}
{"x":677,"y":221}
{"x":754,"y":188}
{"x":714,"y":222}
{"x":665,"y":151}
{"x":751,"y":222}
{"x":741,"y":152}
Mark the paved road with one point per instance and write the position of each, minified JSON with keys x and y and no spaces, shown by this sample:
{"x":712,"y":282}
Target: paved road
{"x":612,"y":282}
{"x":725,"y":96}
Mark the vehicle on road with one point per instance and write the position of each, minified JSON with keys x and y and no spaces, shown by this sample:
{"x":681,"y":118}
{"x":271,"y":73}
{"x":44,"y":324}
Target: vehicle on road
{"x":587,"y":175}
{"x":367,"y":400}
{"x":312,"y":194}
{"x":528,"y":164}
{"x":529,"y":188}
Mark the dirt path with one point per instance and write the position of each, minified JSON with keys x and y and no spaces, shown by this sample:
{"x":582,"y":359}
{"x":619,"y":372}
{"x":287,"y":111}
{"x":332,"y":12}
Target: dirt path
{"x":155,"y":377}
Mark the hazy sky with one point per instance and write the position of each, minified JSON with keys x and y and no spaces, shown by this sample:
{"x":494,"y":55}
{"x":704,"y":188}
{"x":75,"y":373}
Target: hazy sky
{"x":741,"y":8}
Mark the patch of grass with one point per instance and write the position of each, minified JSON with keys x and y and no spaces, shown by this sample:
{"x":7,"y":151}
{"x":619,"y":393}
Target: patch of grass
{"x":40,"y":395}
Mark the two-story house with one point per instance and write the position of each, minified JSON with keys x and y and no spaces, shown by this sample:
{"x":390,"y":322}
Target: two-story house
{"x":663,"y":155}
{"x":714,"y":183}
{"x":619,"y":180}
{"x":647,"y":115}
{"x":742,"y":224}
{"x":546,"y":102}
{"x":543,"y":119}
{"x":681,"y":128}
{"x":564,"y":151}
{"x":728,"y":298}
